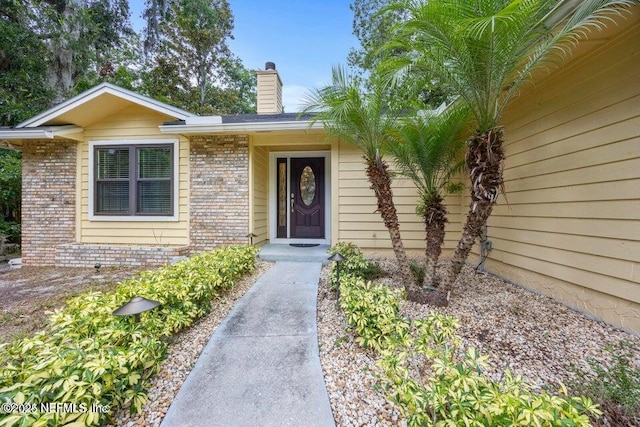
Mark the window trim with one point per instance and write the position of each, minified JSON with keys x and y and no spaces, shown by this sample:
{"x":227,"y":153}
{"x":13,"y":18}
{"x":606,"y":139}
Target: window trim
{"x":93,"y":216}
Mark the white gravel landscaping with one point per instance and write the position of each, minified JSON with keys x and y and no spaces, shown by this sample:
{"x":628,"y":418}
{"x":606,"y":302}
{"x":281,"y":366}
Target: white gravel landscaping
{"x":530,"y":334}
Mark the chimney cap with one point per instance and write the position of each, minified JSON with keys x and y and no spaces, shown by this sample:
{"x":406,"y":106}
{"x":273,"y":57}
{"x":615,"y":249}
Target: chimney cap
{"x":270,"y":66}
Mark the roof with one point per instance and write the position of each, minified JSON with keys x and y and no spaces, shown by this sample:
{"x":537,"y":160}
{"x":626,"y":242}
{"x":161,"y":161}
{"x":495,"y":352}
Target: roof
{"x":112,"y":97}
{"x":235,"y":123}
{"x":259,"y":118}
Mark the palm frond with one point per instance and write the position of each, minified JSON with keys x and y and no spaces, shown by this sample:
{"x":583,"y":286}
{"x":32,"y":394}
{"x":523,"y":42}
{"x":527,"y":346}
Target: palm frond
{"x":486,"y":49}
{"x":351,"y":114}
{"x":427,"y":149}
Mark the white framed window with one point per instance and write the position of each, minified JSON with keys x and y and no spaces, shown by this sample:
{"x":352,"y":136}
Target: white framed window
{"x":134,"y":180}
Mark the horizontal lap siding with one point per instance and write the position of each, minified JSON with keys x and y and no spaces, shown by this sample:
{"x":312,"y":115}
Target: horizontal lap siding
{"x":570,"y":223}
{"x":260,"y":193}
{"x":360,"y":223}
{"x":130,"y":124}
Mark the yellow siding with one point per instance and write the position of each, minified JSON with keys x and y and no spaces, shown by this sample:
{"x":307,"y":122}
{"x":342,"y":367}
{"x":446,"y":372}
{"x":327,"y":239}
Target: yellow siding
{"x":129,"y":124}
{"x":570,"y":226}
{"x":269,"y":99}
{"x":260,"y":194}
{"x":358,"y":220}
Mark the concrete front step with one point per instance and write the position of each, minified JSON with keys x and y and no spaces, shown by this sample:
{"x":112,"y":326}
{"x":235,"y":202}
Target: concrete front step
{"x":274,"y":253}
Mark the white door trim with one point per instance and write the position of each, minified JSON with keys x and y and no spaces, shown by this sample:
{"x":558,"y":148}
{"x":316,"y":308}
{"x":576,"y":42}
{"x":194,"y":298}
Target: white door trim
{"x":273,"y":206}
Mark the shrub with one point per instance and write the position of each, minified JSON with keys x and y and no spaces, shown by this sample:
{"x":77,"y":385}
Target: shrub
{"x":417,"y":270}
{"x":615,"y":386}
{"x":87,"y":356}
{"x":372,"y":311}
{"x":11,"y":230}
{"x":453,"y":390}
{"x":432,"y":378}
{"x":355,"y":262}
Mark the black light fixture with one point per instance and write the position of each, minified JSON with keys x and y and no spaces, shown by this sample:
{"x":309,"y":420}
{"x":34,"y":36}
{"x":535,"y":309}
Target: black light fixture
{"x":251,"y":236}
{"x":97,"y":267}
{"x":337,"y":258}
{"x":135,"y":306}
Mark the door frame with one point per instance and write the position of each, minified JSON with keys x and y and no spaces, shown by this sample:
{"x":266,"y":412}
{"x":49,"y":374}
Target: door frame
{"x":273,"y":206}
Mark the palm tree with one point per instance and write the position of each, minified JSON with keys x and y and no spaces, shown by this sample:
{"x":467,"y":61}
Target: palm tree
{"x":428,"y":150}
{"x":485,"y":50}
{"x":363,"y":119}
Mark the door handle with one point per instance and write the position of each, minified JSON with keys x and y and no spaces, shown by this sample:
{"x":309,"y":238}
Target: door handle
{"x":292,"y":202}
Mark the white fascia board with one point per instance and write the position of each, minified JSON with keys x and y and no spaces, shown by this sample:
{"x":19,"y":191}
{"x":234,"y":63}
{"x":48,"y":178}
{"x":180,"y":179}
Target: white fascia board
{"x":239,"y":127}
{"x":203,"y":120}
{"x":101,"y":89}
{"x":48,"y":132}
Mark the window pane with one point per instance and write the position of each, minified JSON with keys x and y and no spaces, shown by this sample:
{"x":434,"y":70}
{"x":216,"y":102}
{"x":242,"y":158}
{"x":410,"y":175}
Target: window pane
{"x":154,"y":197}
{"x":112,"y":197}
{"x":154,"y":162}
{"x":113,"y":163}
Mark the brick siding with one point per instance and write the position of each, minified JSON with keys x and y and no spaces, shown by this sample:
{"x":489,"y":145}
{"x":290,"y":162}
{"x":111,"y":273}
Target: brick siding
{"x":219,"y":198}
{"x":83,"y":255}
{"x":48,"y":199}
{"x":49,"y":215}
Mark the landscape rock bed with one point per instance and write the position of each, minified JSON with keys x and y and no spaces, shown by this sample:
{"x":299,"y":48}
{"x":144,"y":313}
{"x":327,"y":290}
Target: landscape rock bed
{"x":530,"y":334}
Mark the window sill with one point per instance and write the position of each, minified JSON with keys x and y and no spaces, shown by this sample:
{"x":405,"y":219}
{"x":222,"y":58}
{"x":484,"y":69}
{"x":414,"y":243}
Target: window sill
{"x":129,"y":218}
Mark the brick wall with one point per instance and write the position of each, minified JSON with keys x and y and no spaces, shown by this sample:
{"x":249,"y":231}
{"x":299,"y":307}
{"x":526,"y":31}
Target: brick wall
{"x":48,"y":199}
{"x":82,"y":255}
{"x":219,"y":198}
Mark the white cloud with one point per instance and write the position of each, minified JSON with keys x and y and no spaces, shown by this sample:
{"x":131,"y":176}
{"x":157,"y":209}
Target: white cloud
{"x":292,"y":98}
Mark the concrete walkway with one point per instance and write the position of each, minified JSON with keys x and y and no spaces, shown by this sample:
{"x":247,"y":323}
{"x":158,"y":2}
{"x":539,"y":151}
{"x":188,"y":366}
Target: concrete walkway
{"x":261,"y":367}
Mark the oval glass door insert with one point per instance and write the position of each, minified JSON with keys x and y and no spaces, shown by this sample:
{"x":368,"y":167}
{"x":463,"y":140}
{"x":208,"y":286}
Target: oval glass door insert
{"x":307,"y":185}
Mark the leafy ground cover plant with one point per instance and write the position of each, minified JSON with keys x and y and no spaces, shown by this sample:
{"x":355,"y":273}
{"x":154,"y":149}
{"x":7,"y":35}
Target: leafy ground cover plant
{"x":87,"y":357}
{"x":355,"y":262}
{"x":435,"y":380}
{"x":615,"y":385}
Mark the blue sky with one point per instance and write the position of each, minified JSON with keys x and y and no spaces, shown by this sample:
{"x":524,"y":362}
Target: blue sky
{"x":303,"y":37}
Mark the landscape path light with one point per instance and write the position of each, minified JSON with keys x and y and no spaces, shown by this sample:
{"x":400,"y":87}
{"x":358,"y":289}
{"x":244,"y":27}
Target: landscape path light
{"x":251,"y":236}
{"x":337,"y":258}
{"x":135,"y":306}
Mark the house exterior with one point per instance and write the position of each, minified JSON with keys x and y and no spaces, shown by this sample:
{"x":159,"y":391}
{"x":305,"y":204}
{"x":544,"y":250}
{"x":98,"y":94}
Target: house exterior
{"x":114,"y":177}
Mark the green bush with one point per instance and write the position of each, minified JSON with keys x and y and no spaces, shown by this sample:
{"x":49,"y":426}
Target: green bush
{"x":615,"y":386}
{"x":372,"y":311}
{"x":87,"y":356}
{"x":417,"y":270}
{"x":433,"y":379}
{"x":355,"y":262}
{"x":11,"y":230}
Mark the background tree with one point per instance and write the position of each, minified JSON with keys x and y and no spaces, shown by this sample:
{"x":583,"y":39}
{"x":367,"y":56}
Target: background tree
{"x":363,"y":119}
{"x":10,"y":193}
{"x":194,"y":57}
{"x":373,"y":25}
{"x":485,"y":51}
{"x":81,"y":36}
{"x":23,"y":88}
{"x":428,"y":150}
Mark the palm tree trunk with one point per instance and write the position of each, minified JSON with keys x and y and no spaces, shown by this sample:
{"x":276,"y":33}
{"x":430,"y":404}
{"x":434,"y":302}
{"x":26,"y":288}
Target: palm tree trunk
{"x":435,"y":217}
{"x":485,"y":160}
{"x":378,"y":175}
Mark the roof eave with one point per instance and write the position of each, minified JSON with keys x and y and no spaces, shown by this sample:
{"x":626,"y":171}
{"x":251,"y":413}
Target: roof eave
{"x":49,"y":132}
{"x":226,"y":128}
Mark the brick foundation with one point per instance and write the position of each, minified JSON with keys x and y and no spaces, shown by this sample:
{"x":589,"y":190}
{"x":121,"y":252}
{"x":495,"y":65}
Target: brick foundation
{"x":81,"y":255}
{"x":48,"y":199}
{"x":219,"y":198}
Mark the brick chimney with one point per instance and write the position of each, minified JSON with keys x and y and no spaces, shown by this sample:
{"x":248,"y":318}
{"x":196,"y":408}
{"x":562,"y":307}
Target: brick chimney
{"x":269,"y":90}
